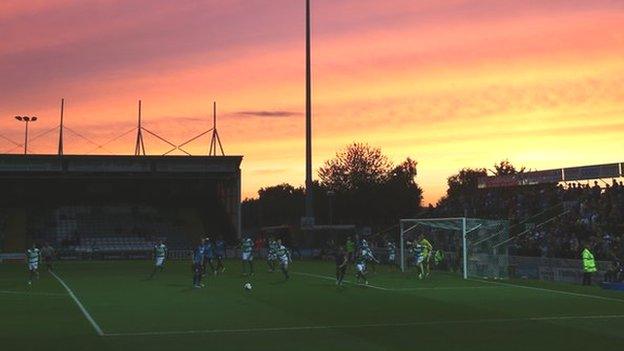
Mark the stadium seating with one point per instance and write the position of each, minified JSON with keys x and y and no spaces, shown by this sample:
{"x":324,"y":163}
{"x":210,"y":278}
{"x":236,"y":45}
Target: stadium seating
{"x":116,"y":244}
{"x":86,"y":229}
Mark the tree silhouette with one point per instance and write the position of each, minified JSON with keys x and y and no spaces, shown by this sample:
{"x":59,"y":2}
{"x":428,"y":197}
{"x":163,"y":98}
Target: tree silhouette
{"x":362,"y":185}
{"x":462,"y":196}
{"x":504,"y":168}
{"x":369,"y":189}
{"x":358,"y":166}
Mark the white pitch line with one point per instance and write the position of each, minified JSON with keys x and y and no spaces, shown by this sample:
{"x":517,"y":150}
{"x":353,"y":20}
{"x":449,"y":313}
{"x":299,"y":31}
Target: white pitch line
{"x":15,"y":292}
{"x":398,"y":289}
{"x":597,"y":297}
{"x":94,"y":324}
{"x":334,"y":279}
{"x":358,"y":326}
{"x":435,"y":288}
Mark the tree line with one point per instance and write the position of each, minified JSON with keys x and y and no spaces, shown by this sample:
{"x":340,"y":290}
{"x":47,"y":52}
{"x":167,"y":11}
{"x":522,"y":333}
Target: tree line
{"x":361,"y":186}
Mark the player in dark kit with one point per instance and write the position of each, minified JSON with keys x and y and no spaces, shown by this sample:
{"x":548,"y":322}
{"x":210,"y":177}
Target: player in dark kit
{"x":198,"y":259}
{"x":208,"y":256}
{"x":220,"y":254}
{"x":48,"y":256}
{"x":342,"y":259}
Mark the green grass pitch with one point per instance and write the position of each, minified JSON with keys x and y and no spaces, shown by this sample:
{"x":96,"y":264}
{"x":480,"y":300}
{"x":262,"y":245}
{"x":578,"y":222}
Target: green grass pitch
{"x":398,"y":312}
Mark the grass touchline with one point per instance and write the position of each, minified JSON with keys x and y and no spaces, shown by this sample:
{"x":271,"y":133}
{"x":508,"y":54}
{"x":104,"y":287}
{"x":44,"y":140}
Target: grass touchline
{"x":97,"y":328}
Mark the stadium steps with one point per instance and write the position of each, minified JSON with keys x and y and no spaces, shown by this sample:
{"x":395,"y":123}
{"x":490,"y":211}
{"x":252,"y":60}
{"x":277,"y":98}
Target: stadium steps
{"x":222,"y":224}
{"x":192,"y":224}
{"x":536,"y":221}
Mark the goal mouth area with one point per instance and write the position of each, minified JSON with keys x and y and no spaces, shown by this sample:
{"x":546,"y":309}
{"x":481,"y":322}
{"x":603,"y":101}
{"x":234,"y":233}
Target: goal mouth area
{"x":481,"y":243}
{"x":453,"y":223}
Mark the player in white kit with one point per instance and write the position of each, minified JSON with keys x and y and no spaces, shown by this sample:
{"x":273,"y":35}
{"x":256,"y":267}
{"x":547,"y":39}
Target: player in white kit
{"x":284,"y":257}
{"x":247,"y":255}
{"x":160,"y":255}
{"x":33,"y":257}
{"x":391,"y":247}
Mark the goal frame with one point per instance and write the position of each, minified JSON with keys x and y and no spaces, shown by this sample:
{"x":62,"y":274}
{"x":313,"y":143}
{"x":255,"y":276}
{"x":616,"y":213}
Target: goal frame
{"x":414,"y":222}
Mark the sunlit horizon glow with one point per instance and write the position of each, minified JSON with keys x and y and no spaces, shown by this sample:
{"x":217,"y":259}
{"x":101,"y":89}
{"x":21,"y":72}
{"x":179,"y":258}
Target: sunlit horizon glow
{"x":450,"y":83}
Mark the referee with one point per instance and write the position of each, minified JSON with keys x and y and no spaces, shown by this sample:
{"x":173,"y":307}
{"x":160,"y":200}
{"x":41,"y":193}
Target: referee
{"x":341,"y":264}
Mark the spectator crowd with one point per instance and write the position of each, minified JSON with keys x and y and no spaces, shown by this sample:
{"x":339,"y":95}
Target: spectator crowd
{"x":551,"y":220}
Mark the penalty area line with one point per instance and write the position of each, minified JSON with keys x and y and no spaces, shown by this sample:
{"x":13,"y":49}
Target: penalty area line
{"x":334,"y":279}
{"x":569,"y":293}
{"x":373,"y":325}
{"x":431,"y":288}
{"x":84,"y":311}
{"x":29,"y":293}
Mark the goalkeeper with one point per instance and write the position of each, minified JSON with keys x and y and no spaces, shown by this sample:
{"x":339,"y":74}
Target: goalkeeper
{"x":425,"y":256}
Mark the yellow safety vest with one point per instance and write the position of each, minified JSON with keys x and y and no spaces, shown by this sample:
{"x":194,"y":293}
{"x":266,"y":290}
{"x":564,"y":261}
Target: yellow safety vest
{"x":589,"y":264}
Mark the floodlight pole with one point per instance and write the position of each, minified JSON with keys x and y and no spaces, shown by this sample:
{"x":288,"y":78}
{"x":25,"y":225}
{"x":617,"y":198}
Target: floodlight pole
{"x":26,"y":120}
{"x":309,"y":199}
{"x":330,"y":197}
{"x":215,"y":140}
{"x":464,"y":248}
{"x":26,"y":139}
{"x":60,"y":146}
{"x":139,"y":147}
{"x":402,"y":247}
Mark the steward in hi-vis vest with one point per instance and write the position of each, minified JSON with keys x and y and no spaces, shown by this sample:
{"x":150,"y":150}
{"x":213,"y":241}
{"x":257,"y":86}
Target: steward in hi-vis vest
{"x":589,"y":265}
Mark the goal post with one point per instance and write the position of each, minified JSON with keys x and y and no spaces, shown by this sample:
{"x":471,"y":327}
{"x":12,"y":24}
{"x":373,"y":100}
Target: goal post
{"x":475,"y":247}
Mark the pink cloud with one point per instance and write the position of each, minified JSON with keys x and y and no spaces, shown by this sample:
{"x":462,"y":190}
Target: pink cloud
{"x":381,"y":70}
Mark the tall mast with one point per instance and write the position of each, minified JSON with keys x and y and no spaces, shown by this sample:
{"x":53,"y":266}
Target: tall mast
{"x":215,"y":140}
{"x":60,"y":144}
{"x":139,"y":148}
{"x":309,"y":199}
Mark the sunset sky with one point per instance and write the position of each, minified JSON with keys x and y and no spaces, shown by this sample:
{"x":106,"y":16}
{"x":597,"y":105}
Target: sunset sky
{"x":450,"y":83}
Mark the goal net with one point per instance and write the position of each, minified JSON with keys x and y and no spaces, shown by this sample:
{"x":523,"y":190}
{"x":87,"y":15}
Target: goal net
{"x":474,"y":247}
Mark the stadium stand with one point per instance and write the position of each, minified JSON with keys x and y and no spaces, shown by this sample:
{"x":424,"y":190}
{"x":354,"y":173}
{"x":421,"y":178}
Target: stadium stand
{"x":117,"y":204}
{"x":88,"y":229}
{"x":553,"y":221}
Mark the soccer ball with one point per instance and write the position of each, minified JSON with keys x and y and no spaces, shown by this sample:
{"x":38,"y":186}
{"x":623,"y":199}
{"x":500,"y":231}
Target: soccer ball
{"x":247,"y":286}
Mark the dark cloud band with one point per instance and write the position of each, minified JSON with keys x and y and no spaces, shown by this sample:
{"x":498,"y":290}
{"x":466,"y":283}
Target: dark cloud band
{"x":267,"y":113}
